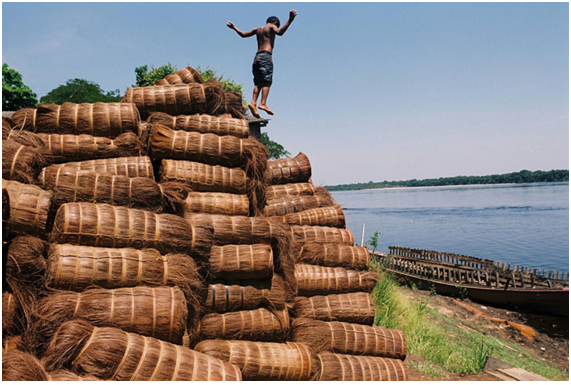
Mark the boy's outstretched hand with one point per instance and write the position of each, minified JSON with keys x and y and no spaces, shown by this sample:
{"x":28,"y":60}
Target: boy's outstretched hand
{"x":292,"y":14}
{"x":230,"y":25}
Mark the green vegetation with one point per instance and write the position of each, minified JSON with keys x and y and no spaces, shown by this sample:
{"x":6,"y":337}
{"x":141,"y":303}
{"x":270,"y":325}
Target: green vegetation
{"x":145,"y":76}
{"x":15,"y":94}
{"x":374,"y":240}
{"x":275,"y":149}
{"x":447,"y":344}
{"x":80,"y":91}
{"x":524,"y":176}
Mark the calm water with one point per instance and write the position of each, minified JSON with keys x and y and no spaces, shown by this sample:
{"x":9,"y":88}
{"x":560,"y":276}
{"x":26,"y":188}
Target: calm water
{"x":524,"y":224}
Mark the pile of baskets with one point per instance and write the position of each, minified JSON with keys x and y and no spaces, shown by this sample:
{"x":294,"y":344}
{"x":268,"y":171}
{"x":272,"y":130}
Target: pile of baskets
{"x":172,"y":249}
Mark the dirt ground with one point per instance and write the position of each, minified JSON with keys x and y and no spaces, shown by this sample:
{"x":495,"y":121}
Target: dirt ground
{"x":551,"y":341}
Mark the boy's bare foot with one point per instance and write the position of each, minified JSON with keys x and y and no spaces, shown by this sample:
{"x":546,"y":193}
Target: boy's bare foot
{"x":253,"y":110}
{"x":264,"y":108}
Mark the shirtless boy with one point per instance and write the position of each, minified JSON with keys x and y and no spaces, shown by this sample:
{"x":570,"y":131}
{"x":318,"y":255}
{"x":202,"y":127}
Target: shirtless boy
{"x":263,"y":67}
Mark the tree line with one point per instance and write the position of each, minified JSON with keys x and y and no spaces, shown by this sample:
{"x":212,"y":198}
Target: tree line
{"x":16,"y":94}
{"x":523,"y":176}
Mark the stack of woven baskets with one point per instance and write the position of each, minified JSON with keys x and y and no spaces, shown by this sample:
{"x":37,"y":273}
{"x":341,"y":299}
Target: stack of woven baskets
{"x":171,"y":249}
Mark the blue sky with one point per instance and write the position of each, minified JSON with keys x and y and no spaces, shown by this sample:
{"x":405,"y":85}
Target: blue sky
{"x":369,"y":91}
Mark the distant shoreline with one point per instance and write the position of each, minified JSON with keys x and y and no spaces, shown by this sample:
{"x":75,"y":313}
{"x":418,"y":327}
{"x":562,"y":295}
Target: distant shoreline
{"x":452,"y":185}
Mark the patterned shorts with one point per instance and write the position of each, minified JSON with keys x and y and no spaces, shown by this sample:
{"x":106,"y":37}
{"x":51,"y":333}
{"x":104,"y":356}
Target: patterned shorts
{"x":263,"y":68}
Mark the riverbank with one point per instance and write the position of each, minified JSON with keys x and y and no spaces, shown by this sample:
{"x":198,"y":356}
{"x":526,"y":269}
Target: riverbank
{"x":448,"y":342}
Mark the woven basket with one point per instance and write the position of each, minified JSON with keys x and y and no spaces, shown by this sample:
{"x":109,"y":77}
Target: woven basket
{"x":318,"y":234}
{"x":289,"y":190}
{"x":217,"y":203}
{"x":315,"y":280}
{"x":343,"y":367}
{"x":241,"y":262}
{"x":204,"y":124}
{"x":290,"y":170}
{"x":187,"y":75}
{"x":352,"y":307}
{"x":331,"y":216}
{"x":202,"y":177}
{"x":335,"y":255}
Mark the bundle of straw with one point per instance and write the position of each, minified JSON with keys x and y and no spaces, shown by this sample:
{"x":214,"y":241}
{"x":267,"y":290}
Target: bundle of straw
{"x":113,"y":354}
{"x":187,"y":75}
{"x":315,"y":280}
{"x":202,"y":177}
{"x":233,"y":104}
{"x":254,"y":325}
{"x":73,"y":267}
{"x":111,"y":226}
{"x":65,"y":375}
{"x":335,"y":255}
{"x":349,"y":338}
{"x":133,"y":166}
{"x":241,"y":262}
{"x":20,"y":162}
{"x":290,"y":170}
{"x":316,"y":234}
{"x":74,"y":185}
{"x":5,"y":214}
{"x":74,"y":148}
{"x":246,"y":295}
{"x":12,"y":342}
{"x":352,"y":307}
{"x":332,"y":216}
{"x":26,"y":138}
{"x":30,"y":209}
{"x":20,"y":366}
{"x":182,"y":99}
{"x":97,"y":119}
{"x":13,"y":322}
{"x":159,"y":312}
{"x":290,"y":190}
{"x":228,"y":151}
{"x":25,"y":119}
{"x":343,"y":367}
{"x":268,"y":361}
{"x":7,"y":124}
{"x":216,"y":203}
{"x":289,"y":204}
{"x":204,"y":124}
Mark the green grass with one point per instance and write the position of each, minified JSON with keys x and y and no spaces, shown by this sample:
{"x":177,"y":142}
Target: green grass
{"x":444,"y":341}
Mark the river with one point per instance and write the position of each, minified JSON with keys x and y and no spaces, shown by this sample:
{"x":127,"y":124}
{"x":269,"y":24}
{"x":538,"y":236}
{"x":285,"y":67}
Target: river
{"x":523,"y":224}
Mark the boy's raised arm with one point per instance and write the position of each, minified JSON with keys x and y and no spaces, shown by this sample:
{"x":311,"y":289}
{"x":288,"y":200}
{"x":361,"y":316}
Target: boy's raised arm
{"x":241,"y":33}
{"x":283,"y":29}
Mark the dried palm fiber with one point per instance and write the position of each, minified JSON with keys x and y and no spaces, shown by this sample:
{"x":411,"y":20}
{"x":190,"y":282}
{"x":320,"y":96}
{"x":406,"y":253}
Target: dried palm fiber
{"x":228,"y":151}
{"x":264,"y":360}
{"x":21,"y":163}
{"x":30,"y":209}
{"x":349,"y":338}
{"x":186,"y":75}
{"x":20,"y":366}
{"x":26,"y":138}
{"x":74,"y":267}
{"x":66,"y":375}
{"x":25,"y":118}
{"x":216,"y":203}
{"x":344,"y":367}
{"x":104,"y":225}
{"x":25,"y":269}
{"x":7,"y":124}
{"x":241,"y":262}
{"x":320,"y":234}
{"x":159,"y":312}
{"x":181,"y":99}
{"x":331,"y":216}
{"x":131,"y":166}
{"x":315,"y":280}
{"x":335,"y":255}
{"x":204,"y":124}
{"x":252,"y":230}
{"x":5,"y":214}
{"x":254,"y":325}
{"x":74,"y":185}
{"x":245,"y":295}
{"x":278,"y":191}
{"x":205,"y":178}
{"x":113,"y":354}
{"x":290,"y":170}
{"x":73,"y":148}
{"x":233,"y":105}
{"x":294,"y":204}
{"x":351,"y":307}
{"x":12,"y":343}
{"x":13,"y":322}
{"x":97,"y":119}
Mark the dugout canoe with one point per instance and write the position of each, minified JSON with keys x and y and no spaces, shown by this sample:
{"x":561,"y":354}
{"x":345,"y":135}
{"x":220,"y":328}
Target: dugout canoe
{"x":484,"y":281}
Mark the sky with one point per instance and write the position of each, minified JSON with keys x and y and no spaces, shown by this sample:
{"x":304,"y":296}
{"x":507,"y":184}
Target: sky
{"x":368,"y":91}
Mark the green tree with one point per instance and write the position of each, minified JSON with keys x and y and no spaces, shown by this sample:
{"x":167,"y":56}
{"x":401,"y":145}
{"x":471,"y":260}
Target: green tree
{"x":15,"y":94}
{"x":80,"y":91}
{"x":145,"y":76}
{"x":275,"y":149}
{"x":228,"y":84}
{"x":374,"y":241}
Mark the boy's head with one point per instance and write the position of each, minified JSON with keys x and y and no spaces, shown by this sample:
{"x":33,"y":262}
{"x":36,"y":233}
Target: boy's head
{"x":273,"y":20}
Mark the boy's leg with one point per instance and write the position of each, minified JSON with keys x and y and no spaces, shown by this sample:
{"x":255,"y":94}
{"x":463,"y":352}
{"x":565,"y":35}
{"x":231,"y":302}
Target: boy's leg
{"x":265,"y":92}
{"x":252,"y":105}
